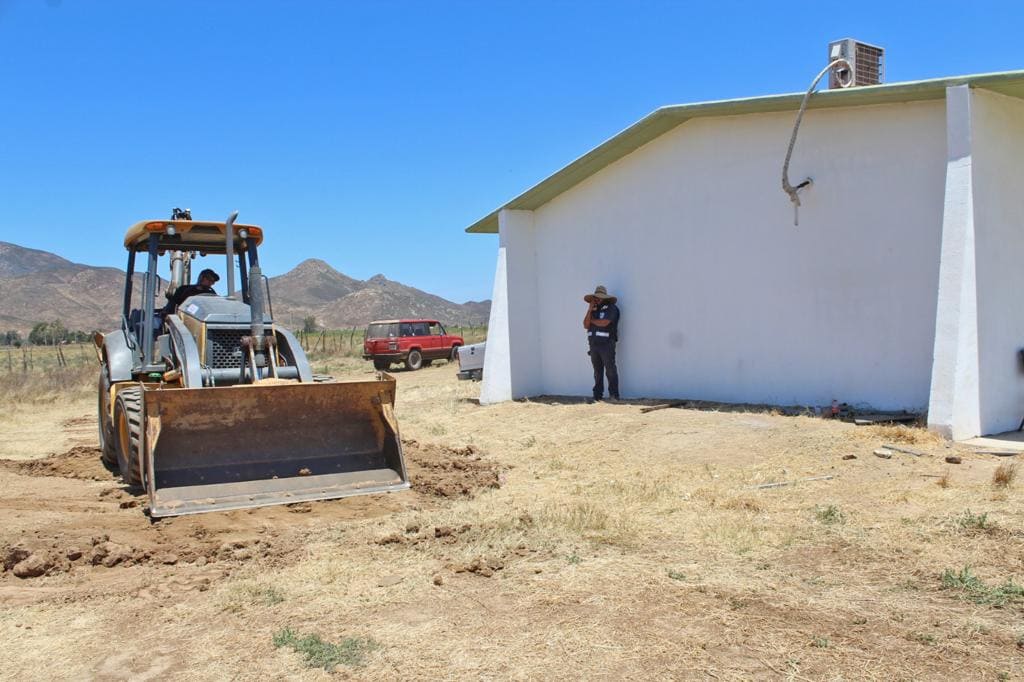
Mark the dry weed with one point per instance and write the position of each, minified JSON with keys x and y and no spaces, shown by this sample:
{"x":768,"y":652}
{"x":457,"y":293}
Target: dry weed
{"x":944,"y":480}
{"x":1004,"y":475}
{"x":642,"y":489}
{"x":899,"y":433}
{"x":590,"y":521}
{"x":50,"y":386}
{"x":249,"y":594}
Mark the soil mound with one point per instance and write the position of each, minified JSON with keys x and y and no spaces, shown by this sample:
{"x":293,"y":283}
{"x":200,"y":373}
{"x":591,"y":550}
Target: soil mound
{"x":65,"y":537}
{"x":441,"y":471}
{"x":81,"y":462}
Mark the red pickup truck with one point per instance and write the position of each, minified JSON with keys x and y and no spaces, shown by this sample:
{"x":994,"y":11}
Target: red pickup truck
{"x":417,"y":343}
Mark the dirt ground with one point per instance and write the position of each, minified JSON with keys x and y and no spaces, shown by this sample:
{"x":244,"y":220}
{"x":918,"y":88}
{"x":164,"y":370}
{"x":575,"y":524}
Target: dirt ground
{"x":541,"y":539}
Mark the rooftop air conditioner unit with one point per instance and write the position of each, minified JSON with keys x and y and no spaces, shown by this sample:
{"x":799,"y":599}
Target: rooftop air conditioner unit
{"x":866,"y":61}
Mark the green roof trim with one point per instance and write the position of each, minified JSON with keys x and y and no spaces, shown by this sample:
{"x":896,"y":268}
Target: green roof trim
{"x":666,"y":118}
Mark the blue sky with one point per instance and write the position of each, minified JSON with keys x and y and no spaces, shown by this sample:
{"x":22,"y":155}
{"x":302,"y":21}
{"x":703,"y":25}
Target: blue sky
{"x":371,"y":134}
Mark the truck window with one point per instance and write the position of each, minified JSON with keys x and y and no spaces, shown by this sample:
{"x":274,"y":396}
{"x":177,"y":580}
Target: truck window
{"x":381,"y":331}
{"x":405,"y":329}
{"x":436,"y":329}
{"x":420,"y":329}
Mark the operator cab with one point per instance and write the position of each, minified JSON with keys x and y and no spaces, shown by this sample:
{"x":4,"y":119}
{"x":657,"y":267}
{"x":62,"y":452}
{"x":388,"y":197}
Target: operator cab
{"x":184,"y":240}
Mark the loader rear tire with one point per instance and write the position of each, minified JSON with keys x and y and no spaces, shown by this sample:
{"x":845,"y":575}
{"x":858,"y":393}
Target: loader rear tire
{"x":108,"y":447}
{"x":128,"y":430}
{"x":414,"y":360}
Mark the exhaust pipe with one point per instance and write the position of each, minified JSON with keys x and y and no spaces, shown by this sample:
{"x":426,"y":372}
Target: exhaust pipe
{"x":256,"y":306}
{"x":257,"y":347}
{"x":229,"y":238}
{"x":177,"y":272}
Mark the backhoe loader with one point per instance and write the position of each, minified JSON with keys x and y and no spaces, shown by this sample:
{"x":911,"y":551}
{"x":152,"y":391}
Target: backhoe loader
{"x":212,"y":405}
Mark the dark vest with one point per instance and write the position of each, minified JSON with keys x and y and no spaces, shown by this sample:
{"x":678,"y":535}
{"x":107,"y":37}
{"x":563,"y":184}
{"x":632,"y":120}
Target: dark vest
{"x":609,"y":334}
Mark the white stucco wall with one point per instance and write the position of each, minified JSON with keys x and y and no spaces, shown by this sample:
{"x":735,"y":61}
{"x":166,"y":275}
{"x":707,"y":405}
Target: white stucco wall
{"x":953,"y":408}
{"x":497,"y":379}
{"x":722,"y":297}
{"x":511,"y":365}
{"x":998,"y":143}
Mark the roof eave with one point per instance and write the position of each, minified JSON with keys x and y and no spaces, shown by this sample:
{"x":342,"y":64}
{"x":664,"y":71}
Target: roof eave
{"x":665,"y":118}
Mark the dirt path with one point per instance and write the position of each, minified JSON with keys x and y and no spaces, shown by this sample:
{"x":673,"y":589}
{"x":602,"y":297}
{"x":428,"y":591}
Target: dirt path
{"x":541,"y":539}
{"x":30,"y":431}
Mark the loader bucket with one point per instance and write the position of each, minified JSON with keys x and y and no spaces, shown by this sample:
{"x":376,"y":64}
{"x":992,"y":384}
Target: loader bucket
{"x":234,"y":447}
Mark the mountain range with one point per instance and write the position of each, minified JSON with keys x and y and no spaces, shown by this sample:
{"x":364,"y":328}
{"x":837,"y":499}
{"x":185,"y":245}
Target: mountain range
{"x":38,"y":286}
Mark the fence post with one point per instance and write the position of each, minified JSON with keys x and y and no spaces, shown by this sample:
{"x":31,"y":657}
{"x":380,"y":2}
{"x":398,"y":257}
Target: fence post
{"x":10,"y":364}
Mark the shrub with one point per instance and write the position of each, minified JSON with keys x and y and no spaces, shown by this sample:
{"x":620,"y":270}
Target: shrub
{"x":972,"y":588}
{"x":319,"y":653}
{"x":971,"y":521}
{"x":829,"y":515}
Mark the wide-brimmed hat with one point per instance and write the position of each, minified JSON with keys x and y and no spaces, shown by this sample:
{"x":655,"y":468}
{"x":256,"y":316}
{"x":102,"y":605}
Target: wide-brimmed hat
{"x":601,"y":294}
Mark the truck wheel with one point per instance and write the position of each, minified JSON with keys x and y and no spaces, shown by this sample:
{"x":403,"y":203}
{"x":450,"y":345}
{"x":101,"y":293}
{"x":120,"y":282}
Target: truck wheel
{"x":381,"y":364}
{"x":454,"y":357}
{"x":108,"y":447}
{"x":414,"y":360}
{"x":128,"y":429}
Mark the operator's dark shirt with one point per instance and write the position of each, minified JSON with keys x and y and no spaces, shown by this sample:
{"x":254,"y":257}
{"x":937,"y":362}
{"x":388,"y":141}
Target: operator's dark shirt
{"x":183,"y":292}
{"x":609,"y":334}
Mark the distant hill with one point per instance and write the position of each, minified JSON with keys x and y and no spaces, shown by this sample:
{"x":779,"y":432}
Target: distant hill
{"x":336,"y":300}
{"x":37,"y":286}
{"x":17,"y":260}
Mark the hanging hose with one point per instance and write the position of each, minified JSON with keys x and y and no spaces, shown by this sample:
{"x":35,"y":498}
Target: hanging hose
{"x":846,"y":78}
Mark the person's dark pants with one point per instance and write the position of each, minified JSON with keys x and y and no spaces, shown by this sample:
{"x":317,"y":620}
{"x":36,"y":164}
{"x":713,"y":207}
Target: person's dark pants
{"x":602,"y":357}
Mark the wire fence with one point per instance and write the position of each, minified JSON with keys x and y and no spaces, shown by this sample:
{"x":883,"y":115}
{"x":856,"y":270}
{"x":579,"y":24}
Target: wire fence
{"x":350,"y":341}
{"x":29,"y":358}
{"x":347,"y":342}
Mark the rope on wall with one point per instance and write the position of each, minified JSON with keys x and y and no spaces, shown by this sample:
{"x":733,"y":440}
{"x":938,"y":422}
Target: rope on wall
{"x":846,"y":79}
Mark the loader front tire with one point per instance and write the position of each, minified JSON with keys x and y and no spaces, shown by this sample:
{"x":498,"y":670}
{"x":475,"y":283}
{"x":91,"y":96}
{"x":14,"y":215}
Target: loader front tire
{"x":414,"y":360}
{"x":108,"y":446}
{"x":128,"y":431}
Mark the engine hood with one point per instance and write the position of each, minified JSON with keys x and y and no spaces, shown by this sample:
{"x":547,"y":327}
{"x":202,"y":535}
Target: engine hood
{"x":217,"y":310}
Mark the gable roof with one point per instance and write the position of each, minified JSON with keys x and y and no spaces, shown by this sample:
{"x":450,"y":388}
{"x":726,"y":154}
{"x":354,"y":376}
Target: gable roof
{"x":666,"y":118}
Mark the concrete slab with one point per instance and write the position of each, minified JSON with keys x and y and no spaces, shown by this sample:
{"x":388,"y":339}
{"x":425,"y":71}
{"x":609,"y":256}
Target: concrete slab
{"x":1009,"y":441}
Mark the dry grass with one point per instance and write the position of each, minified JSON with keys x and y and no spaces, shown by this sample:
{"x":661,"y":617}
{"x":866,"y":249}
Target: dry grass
{"x":944,"y":481}
{"x":619,"y":546}
{"x":1004,"y":475}
{"x":900,"y":433}
{"x":48,"y":386}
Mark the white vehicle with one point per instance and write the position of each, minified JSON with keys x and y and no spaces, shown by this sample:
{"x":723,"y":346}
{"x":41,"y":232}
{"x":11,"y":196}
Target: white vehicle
{"x":471,"y":361}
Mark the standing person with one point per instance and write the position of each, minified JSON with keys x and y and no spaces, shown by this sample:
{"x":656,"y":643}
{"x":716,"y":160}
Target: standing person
{"x":602,"y":325}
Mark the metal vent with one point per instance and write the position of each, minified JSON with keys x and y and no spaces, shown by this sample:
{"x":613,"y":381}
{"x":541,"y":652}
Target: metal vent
{"x":224,"y":347}
{"x":868,"y":62}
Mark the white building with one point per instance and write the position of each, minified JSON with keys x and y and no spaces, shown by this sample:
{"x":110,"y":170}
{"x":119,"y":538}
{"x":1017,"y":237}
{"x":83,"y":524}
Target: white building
{"x":901,"y":287}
